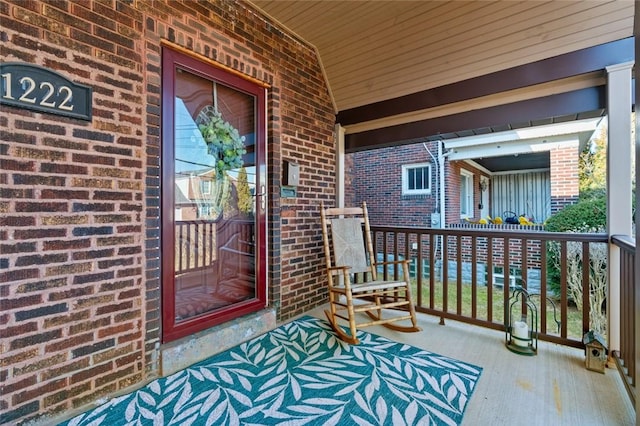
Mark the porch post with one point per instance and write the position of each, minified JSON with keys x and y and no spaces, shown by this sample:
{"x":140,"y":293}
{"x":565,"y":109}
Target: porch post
{"x":340,"y":175}
{"x":618,"y":177}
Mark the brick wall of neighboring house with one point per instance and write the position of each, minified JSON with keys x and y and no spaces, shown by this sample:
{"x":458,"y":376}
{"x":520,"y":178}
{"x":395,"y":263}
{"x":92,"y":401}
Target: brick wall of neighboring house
{"x":376,"y":177}
{"x":80,"y":201}
{"x":565,"y":182}
{"x":481,"y":254}
{"x":349,"y":188}
{"x":452,"y":189}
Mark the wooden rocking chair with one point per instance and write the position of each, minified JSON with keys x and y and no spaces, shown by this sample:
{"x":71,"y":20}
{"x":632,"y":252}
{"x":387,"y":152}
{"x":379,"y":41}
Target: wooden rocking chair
{"x":352,"y":272}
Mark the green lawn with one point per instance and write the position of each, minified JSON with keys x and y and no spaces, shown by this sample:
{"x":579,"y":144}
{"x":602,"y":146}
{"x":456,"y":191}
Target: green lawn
{"x":574,"y":321}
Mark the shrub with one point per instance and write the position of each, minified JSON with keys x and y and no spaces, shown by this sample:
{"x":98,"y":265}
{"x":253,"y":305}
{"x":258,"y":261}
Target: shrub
{"x":583,"y":216}
{"x":588,"y":215}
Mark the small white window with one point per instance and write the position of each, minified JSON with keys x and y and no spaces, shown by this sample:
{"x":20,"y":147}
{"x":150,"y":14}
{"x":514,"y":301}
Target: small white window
{"x":466,"y":194}
{"x":416,"y":179}
{"x":206,"y":187}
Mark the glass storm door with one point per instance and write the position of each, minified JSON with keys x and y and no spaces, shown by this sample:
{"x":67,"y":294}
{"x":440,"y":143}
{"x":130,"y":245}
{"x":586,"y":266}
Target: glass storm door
{"x":213,"y":249}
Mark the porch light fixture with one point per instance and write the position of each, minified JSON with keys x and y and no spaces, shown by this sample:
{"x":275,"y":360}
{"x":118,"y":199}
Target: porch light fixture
{"x":521,"y":329}
{"x":483,"y":185}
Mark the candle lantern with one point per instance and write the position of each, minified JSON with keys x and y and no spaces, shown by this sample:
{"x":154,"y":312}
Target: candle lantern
{"x":522,"y":323}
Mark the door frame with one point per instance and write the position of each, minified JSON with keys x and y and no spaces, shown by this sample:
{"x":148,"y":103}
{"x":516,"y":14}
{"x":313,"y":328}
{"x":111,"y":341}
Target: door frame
{"x":172,"y":59}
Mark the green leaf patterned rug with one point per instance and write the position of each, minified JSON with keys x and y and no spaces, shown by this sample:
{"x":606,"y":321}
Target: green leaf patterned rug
{"x":302,"y":374}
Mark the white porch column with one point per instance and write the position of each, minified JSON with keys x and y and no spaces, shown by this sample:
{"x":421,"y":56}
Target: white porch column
{"x":618,"y":184}
{"x":339,"y":132}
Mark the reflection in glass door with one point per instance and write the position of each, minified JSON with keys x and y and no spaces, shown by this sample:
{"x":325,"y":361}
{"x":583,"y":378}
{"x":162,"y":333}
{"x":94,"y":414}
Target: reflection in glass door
{"x":212,"y":166}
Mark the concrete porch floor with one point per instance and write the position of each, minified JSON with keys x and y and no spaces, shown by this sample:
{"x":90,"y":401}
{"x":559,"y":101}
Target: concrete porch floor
{"x":551,"y":388}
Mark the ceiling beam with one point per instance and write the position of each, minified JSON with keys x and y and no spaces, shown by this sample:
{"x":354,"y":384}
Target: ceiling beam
{"x":563,"y":104}
{"x":539,"y":72}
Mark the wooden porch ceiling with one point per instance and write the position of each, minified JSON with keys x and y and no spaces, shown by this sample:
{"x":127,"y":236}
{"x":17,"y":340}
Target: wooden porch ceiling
{"x":402,"y":70}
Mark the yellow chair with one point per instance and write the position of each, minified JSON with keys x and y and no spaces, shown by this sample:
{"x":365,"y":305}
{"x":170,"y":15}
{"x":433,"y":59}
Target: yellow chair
{"x":352,"y":273}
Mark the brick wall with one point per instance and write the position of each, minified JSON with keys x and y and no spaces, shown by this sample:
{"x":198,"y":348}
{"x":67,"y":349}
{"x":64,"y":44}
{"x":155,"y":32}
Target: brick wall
{"x":376,"y":177}
{"x":565,"y":182}
{"x":80,"y":201}
{"x":514,"y":251}
{"x":303,"y":284}
{"x":452,"y":202}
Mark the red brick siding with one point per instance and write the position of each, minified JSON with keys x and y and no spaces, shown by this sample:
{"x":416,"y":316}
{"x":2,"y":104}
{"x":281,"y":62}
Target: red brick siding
{"x":376,"y":177}
{"x":482,"y":243}
{"x":565,"y":185}
{"x":350,"y":198}
{"x":79,"y":239}
{"x":303,"y":283}
{"x":453,"y":173}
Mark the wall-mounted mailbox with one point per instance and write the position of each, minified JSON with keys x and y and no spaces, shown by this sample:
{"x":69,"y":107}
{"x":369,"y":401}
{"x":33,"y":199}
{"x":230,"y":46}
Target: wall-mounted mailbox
{"x":291,"y":173}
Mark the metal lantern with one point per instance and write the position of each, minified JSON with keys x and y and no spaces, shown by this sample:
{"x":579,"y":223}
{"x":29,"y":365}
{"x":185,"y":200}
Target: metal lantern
{"x":522,"y":323}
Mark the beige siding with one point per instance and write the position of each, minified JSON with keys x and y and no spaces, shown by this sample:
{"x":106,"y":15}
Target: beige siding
{"x":522,"y":193}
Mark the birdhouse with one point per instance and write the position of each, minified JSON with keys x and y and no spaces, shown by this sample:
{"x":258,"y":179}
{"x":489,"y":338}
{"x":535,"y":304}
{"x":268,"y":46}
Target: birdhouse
{"x":595,"y":351}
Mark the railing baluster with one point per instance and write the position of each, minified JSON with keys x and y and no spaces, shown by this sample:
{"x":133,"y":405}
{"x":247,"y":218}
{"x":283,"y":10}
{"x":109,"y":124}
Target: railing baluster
{"x":543,"y":287}
{"x":586,"y":287}
{"x":563,"y":289}
{"x":419,"y":271}
{"x":189,"y":245}
{"x":181,"y":244}
{"x":490,"y":279}
{"x":474,"y":276}
{"x":445,"y":275}
{"x":506,"y":273}
{"x":385,"y":235}
{"x":524,"y":270}
{"x":459,"y":275}
{"x":432,"y":269}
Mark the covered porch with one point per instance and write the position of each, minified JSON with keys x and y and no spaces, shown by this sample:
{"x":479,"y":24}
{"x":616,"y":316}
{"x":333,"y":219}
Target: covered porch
{"x":83,"y":319}
{"x":552,"y":388}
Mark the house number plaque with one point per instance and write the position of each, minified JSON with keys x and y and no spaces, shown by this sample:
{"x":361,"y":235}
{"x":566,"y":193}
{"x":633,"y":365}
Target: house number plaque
{"x":40,"y":89}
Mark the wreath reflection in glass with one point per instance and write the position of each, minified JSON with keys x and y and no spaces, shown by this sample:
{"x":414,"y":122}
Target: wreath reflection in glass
{"x":224,"y":143}
{"x":226,"y":147}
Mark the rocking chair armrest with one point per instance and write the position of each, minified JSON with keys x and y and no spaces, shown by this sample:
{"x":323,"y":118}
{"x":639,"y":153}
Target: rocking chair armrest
{"x":336,"y":271}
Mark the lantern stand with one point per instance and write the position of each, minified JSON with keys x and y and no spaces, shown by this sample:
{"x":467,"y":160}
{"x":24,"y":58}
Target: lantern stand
{"x":522,"y":336}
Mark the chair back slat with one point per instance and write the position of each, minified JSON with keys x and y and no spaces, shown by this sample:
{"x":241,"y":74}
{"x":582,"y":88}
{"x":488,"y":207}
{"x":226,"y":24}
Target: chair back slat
{"x":348,"y":244}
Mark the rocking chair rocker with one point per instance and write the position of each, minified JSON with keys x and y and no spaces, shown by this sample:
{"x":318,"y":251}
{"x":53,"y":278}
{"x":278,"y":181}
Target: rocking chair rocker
{"x":352,"y":273}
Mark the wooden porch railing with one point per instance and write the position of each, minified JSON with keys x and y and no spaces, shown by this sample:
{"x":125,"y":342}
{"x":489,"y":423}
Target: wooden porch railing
{"x":478,"y":267}
{"x":196,"y":245}
{"x":626,"y":357}
{"x":198,"y":241}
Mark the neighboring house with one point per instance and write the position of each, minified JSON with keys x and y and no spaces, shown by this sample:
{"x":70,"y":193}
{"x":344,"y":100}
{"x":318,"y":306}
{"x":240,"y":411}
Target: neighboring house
{"x":193,"y":195}
{"x":531,"y":172}
{"x":200,"y":196}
